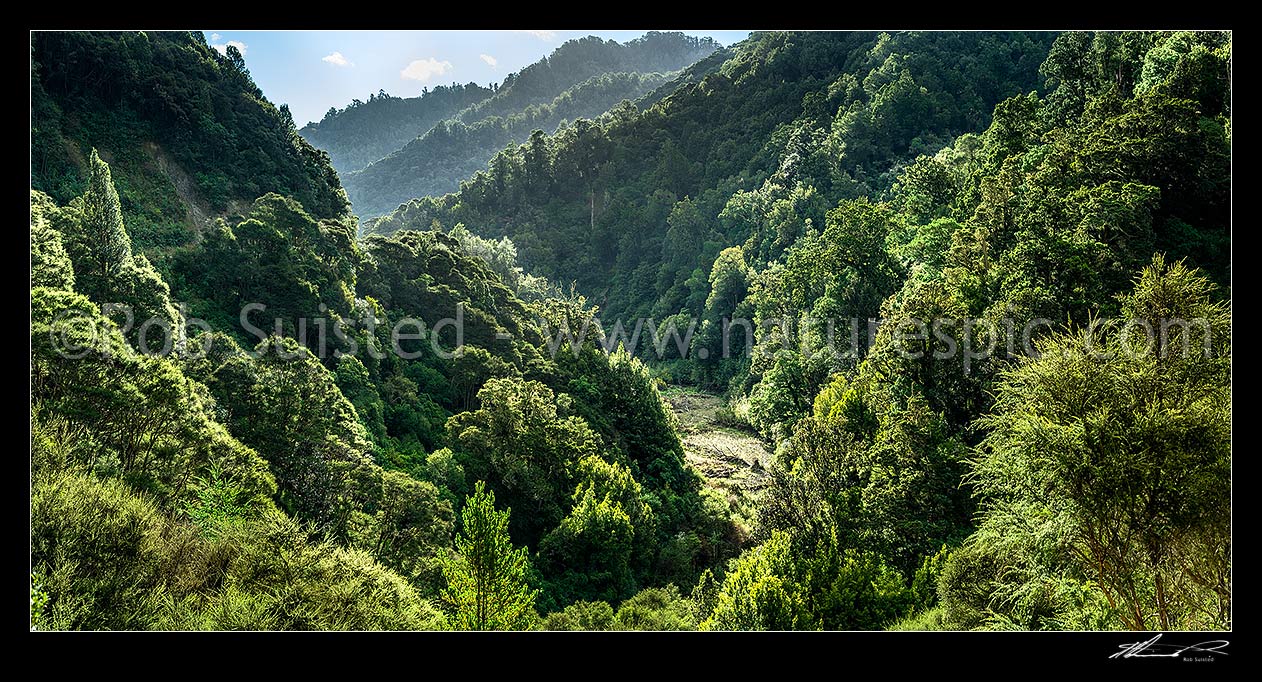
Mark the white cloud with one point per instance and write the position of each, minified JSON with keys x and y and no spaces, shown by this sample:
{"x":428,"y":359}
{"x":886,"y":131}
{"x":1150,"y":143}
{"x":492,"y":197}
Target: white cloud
{"x":336,"y":59}
{"x":490,"y":61}
{"x":215,"y":36}
{"x":425,"y":70}
{"x":223,"y":49}
{"x":545,"y":36}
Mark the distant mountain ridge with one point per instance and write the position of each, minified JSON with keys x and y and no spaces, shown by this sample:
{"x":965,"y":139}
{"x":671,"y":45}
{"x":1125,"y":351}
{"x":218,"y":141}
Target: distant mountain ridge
{"x":581,"y":78}
{"x":363,"y":132}
{"x":452,"y":151}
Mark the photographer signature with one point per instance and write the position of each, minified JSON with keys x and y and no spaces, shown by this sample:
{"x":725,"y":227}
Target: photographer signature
{"x":1152,"y":649}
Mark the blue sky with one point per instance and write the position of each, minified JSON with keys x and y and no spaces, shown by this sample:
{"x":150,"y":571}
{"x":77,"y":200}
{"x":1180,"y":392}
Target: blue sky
{"x":314,"y":70}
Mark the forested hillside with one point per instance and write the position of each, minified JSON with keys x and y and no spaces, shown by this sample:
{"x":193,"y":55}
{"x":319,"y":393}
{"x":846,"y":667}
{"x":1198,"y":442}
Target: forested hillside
{"x":389,"y":150}
{"x":635,"y":207}
{"x":436,"y":162}
{"x":199,"y":462}
{"x":363,"y":132}
{"x":185,"y":129}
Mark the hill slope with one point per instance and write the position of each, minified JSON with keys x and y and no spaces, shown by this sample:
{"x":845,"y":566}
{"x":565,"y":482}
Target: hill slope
{"x":435,"y":163}
{"x":185,"y":129}
{"x":366,"y":131}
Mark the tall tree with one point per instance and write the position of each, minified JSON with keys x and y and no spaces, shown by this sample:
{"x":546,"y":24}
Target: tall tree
{"x":486,"y":583}
{"x":101,"y":247}
{"x":523,"y":442}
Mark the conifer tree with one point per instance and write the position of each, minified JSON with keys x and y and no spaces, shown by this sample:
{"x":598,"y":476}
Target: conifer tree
{"x":102,"y":249}
{"x":486,"y":583}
